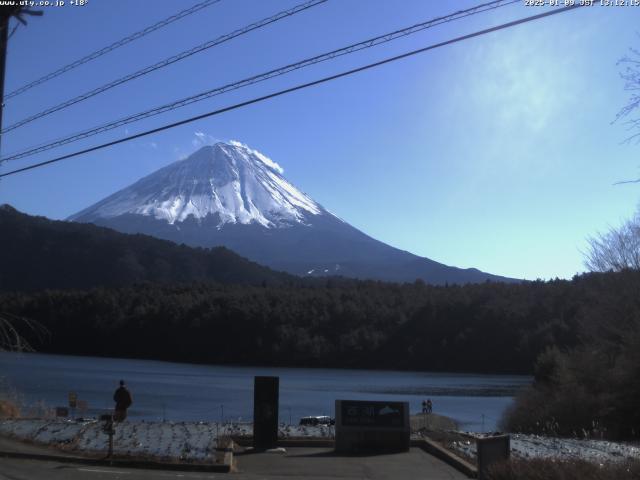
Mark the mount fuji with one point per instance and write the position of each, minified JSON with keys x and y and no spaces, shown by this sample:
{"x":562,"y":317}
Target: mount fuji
{"x":231,"y":195}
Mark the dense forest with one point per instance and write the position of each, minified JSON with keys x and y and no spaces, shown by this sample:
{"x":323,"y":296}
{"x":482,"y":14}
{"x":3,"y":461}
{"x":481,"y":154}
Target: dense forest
{"x":489,"y":327}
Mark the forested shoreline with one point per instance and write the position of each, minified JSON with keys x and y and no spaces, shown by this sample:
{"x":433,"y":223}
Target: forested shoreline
{"x":489,"y":328}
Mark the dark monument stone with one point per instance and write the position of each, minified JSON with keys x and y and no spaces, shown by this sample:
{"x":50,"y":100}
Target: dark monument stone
{"x":62,"y":412}
{"x":265,"y":412}
{"x":492,"y":450}
{"x":368,"y":426}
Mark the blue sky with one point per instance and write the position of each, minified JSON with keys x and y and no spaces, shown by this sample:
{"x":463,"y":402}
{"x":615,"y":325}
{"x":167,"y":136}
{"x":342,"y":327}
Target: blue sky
{"x":496,"y":153}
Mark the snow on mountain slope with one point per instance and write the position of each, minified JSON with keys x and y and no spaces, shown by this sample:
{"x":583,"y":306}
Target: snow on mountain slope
{"x":240,"y":185}
{"x":228,"y":194}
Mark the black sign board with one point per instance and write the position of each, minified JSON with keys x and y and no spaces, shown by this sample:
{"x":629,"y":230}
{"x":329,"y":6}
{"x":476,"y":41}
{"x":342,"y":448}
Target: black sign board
{"x":358,"y":413}
{"x":372,"y":426}
{"x":62,"y":412}
{"x":265,"y":412}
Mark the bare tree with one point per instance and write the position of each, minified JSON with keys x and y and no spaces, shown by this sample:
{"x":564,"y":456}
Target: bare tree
{"x":618,"y":249}
{"x":12,"y":330}
{"x":631,"y":75}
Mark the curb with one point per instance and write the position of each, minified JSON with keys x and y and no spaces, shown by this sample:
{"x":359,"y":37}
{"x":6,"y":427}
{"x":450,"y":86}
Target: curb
{"x":445,"y":455}
{"x":121,"y":462}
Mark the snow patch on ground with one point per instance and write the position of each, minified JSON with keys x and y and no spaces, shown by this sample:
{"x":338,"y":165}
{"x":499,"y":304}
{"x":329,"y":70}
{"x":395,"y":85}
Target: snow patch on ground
{"x":197,"y":441}
{"x":537,"y":446}
{"x":185,"y":441}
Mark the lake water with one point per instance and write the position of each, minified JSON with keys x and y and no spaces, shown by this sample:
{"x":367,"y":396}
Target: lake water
{"x":179,"y":391}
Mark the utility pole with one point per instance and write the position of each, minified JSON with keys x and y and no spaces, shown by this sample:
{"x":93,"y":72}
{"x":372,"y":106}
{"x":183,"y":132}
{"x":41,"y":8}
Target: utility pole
{"x":6,"y":12}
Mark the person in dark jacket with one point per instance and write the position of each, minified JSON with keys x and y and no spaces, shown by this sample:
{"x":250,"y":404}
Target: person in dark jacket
{"x":123,"y":400}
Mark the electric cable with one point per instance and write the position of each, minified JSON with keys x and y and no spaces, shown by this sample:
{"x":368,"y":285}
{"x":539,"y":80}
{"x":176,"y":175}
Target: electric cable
{"x":111,"y":47}
{"x":166,"y":62}
{"x":261,"y":77}
{"x":296,"y":88}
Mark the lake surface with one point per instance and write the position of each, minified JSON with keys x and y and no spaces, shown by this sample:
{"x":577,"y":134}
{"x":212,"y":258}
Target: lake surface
{"x":180,"y":391}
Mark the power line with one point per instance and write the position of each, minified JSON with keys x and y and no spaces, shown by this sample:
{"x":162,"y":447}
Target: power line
{"x":166,"y":62}
{"x":113,"y":46}
{"x":13,"y":30}
{"x":296,"y":88}
{"x":262,"y":77}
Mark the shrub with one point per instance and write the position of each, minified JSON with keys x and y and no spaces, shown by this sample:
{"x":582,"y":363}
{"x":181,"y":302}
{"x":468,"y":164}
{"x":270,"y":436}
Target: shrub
{"x":588,"y":391}
{"x":8,"y":409}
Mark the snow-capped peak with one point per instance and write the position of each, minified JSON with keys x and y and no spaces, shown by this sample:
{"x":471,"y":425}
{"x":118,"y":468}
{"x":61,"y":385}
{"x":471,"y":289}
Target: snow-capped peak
{"x":228,"y":179}
{"x":263,"y":158}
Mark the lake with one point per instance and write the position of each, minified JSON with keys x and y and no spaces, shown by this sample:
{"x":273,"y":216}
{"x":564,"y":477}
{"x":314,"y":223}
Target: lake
{"x":180,"y":391}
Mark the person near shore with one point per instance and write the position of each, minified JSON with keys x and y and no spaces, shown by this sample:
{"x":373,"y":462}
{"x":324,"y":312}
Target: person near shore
{"x":424,"y":406}
{"x":123,"y":400}
{"x":429,"y":406}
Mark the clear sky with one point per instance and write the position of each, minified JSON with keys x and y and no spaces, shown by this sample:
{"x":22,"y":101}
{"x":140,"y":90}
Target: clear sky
{"x":497,"y":153}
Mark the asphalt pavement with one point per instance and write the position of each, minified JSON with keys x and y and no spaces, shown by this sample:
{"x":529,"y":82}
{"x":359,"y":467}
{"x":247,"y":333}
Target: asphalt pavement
{"x":40,"y":462}
{"x":23,"y":469}
{"x":323,"y":463}
{"x":297,"y":463}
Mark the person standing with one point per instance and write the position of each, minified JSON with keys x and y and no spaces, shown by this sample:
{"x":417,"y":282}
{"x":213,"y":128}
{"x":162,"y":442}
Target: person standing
{"x":123,"y":400}
{"x":429,"y":406}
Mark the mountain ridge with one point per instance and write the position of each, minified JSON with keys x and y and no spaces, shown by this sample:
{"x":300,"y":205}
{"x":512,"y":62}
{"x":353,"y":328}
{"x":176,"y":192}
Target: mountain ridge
{"x":38,"y":253}
{"x":228,"y":194}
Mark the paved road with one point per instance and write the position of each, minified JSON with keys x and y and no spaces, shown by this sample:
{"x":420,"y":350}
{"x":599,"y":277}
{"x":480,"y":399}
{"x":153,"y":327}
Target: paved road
{"x":317,"y":464}
{"x":12,"y":469}
{"x":323,"y":463}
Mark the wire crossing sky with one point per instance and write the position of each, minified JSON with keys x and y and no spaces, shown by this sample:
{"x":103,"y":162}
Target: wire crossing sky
{"x":368,"y":43}
{"x":166,"y":62}
{"x":109,"y":48}
{"x":496,"y":153}
{"x":294,"y":89}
